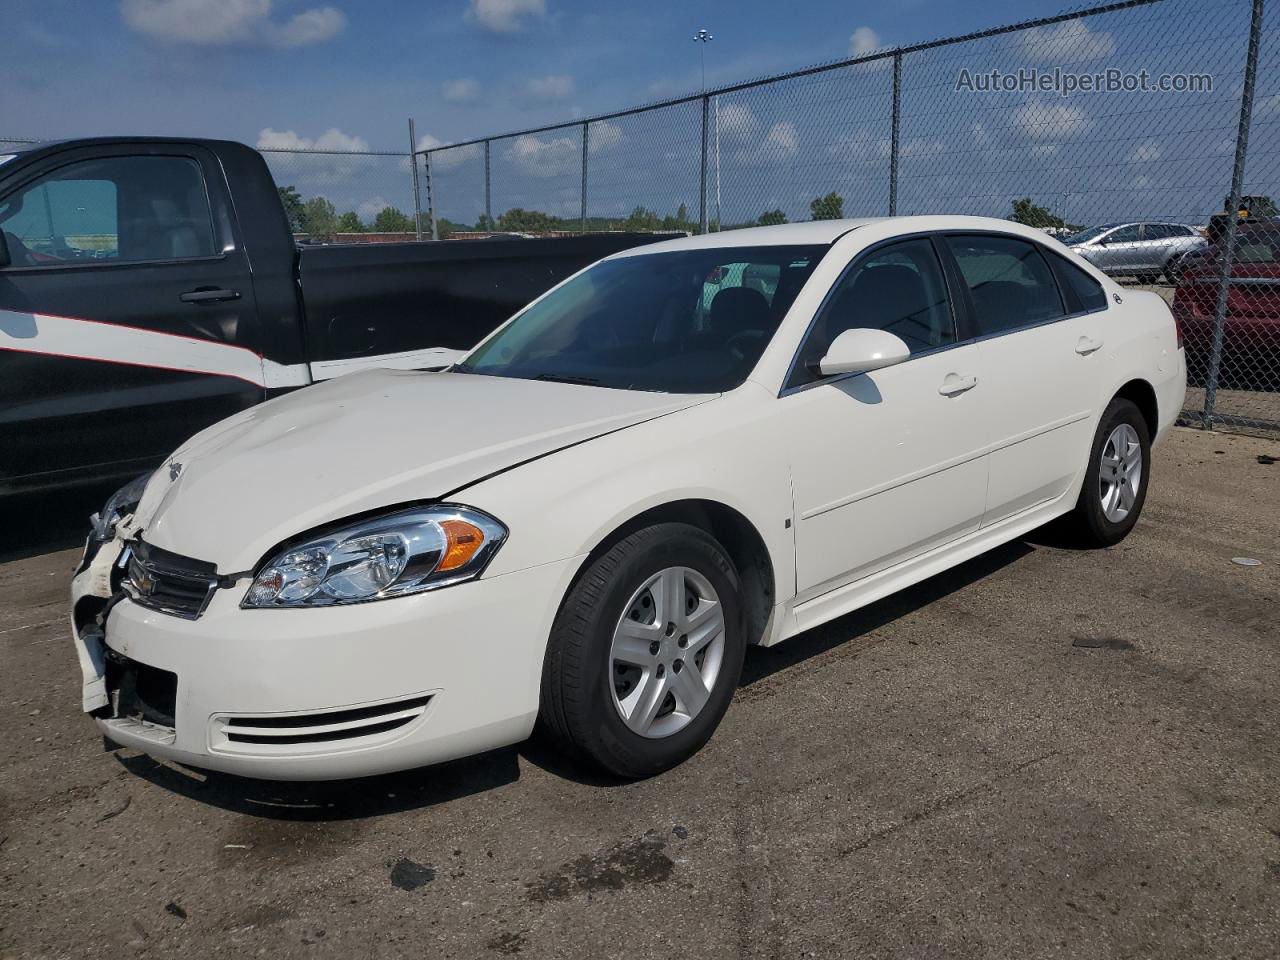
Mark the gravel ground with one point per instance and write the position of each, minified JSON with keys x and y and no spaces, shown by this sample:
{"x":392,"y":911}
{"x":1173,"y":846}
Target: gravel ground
{"x":1045,"y":752}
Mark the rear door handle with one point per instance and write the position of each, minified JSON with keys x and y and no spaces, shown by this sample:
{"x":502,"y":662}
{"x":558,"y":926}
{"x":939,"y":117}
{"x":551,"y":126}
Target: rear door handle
{"x":1088,"y":345}
{"x":955,"y":384}
{"x":208,"y":295}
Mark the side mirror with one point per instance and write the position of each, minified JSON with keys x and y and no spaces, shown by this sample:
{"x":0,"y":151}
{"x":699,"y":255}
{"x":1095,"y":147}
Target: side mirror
{"x":857,"y":351}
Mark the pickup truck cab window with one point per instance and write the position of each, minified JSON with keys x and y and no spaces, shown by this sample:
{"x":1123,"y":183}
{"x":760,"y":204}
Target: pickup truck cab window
{"x":1010,"y":283}
{"x":112,"y":210}
{"x":899,"y":288}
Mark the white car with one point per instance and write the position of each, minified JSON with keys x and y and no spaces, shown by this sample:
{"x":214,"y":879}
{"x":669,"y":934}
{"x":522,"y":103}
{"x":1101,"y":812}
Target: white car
{"x":685,"y":449}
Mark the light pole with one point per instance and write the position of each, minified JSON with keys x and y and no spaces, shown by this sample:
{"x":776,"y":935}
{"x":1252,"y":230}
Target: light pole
{"x":703,"y":37}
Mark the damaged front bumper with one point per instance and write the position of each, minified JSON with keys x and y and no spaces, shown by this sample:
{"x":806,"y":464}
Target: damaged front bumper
{"x":313,"y":694}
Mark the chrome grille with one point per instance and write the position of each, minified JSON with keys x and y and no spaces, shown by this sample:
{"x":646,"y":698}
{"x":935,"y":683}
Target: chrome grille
{"x":169,"y":582}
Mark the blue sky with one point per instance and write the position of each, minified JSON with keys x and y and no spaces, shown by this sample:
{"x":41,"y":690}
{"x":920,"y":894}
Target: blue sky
{"x":347,"y":74}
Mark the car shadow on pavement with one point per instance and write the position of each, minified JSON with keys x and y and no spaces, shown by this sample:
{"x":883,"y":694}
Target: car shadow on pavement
{"x":331,"y":800}
{"x":428,"y":786}
{"x":764,"y":662}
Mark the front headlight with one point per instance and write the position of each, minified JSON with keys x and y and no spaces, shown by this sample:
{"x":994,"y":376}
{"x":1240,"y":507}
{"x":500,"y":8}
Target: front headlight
{"x":122,"y":503}
{"x":404,"y":552}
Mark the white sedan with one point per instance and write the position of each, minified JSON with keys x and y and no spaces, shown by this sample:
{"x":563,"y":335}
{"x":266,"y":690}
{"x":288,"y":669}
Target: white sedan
{"x":683,"y":450}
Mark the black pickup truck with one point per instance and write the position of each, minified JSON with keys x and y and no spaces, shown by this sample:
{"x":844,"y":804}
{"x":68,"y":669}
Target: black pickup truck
{"x":150,"y":287}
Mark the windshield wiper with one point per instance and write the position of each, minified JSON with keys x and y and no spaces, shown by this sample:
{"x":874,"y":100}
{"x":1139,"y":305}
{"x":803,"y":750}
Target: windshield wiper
{"x":565,"y":378}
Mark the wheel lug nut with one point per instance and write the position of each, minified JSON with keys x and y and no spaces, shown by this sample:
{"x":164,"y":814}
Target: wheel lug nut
{"x":655,"y":647}
{"x":661,"y":670}
{"x":671,"y":628}
{"x":678,"y":666}
{"x":683,"y":641}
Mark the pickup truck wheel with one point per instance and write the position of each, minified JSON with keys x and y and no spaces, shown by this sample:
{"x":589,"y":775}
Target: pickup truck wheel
{"x":1116,"y":478}
{"x":646,"y":652}
{"x":1173,"y":270}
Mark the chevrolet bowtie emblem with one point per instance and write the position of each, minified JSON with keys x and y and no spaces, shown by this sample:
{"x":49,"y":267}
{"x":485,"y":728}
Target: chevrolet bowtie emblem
{"x":174,"y":470}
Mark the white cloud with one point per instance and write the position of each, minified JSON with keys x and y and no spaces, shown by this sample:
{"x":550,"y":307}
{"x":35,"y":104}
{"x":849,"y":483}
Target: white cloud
{"x":314,"y":170}
{"x":331,"y":139}
{"x":737,"y":120}
{"x":862,"y":41}
{"x":1066,"y":42}
{"x":448,"y":159}
{"x":307,"y":27}
{"x":553,"y":87}
{"x":1146,"y":152}
{"x":505,"y":16}
{"x":372,"y":207}
{"x":602,"y":136}
{"x":782,"y":142}
{"x":1050,"y":121}
{"x":462,"y":90}
{"x":213,"y":22}
{"x":554,"y":157}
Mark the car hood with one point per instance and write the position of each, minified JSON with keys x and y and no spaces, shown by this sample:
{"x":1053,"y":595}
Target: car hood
{"x":362,"y":442}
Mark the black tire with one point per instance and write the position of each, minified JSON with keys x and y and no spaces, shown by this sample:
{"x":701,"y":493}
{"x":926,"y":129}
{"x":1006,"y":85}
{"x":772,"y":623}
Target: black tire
{"x":1173,"y":270}
{"x":576,"y":701}
{"x":1088,"y":523}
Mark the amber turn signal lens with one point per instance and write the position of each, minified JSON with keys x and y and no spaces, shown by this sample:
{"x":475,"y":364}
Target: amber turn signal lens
{"x":463,"y":540}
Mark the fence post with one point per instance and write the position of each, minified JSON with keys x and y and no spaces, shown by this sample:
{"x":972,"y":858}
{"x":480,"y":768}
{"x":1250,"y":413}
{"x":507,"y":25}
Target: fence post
{"x":702,"y":188}
{"x":585,"y":139}
{"x":413,"y":164}
{"x":894,"y":134}
{"x":488,"y":209}
{"x":1237,"y":188}
{"x":431,"y":205}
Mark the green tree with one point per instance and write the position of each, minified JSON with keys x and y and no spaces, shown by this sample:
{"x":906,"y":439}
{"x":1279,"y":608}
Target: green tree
{"x":772,"y":217}
{"x":349,"y":222}
{"x":519,"y":220}
{"x":642,"y":220}
{"x":319,"y":219}
{"x":1033,"y":215}
{"x":391,"y":220}
{"x":830,"y":207}
{"x":292,"y":203}
{"x":485,"y":222}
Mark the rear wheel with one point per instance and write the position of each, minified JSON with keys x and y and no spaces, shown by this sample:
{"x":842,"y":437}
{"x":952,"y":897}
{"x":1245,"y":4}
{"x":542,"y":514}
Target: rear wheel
{"x":646,"y":652}
{"x":1115,"y":483}
{"x":1173,"y":270}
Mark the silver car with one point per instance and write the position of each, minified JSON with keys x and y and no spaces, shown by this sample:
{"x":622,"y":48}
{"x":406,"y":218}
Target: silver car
{"x":1142,"y":250}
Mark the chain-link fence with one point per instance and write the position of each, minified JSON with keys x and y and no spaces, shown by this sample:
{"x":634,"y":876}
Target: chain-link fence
{"x":1158,"y":119}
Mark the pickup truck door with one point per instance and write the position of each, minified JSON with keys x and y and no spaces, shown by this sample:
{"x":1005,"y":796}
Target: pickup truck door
{"x":127,"y":311}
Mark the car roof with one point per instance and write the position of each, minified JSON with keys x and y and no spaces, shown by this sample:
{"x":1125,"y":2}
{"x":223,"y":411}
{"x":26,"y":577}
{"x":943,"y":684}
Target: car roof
{"x":825,"y":232}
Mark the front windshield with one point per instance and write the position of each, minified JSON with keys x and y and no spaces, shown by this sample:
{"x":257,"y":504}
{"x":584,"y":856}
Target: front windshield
{"x":693,"y":321}
{"x":1084,"y":236}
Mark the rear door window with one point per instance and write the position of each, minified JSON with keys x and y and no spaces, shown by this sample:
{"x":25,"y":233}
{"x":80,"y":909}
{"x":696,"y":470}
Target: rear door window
{"x":110,"y":210}
{"x":1010,"y":283}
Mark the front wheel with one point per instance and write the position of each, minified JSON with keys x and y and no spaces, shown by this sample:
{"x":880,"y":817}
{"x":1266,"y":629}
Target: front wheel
{"x":646,"y":652}
{"x":1116,"y":478}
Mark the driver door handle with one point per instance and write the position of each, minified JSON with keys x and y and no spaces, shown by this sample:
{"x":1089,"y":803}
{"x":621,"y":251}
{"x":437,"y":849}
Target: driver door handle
{"x":955,"y":384}
{"x":207,"y":295}
{"x":1088,"y":345}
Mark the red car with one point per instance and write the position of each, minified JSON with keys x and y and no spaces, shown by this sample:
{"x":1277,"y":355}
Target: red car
{"x":1251,"y":330}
